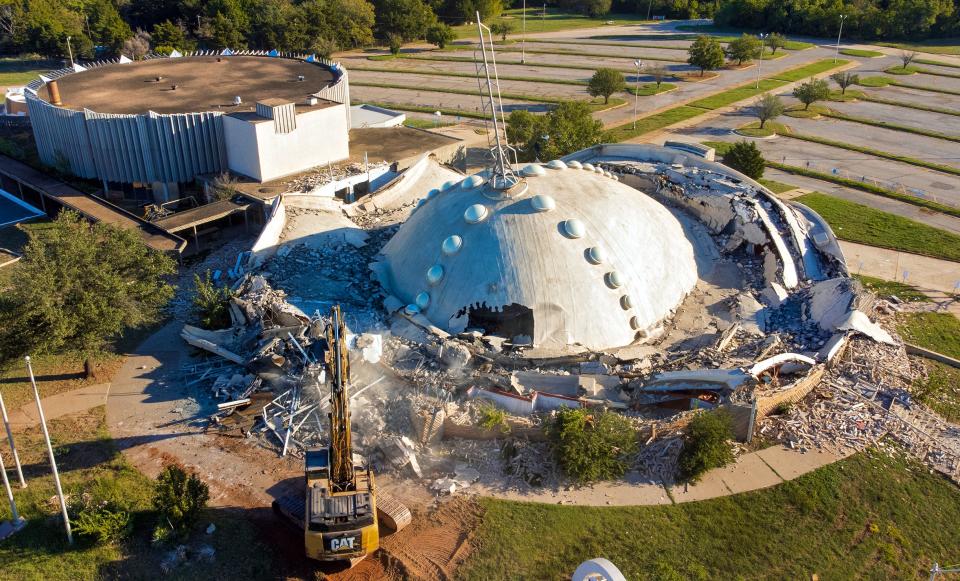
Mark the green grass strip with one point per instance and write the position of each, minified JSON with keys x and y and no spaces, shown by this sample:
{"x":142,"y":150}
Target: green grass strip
{"x":866,"y":225}
{"x":876,"y":153}
{"x":573,"y":53}
{"x":937,"y":63}
{"x":910,"y":105}
{"x":869,"y":188}
{"x":468,"y":75}
{"x":922,"y":88}
{"x":513,"y":96}
{"x":861,"y":53}
{"x":775,"y":186}
{"x":649,"y":89}
{"x":429,"y":110}
{"x":924,"y":71}
{"x":682,"y":113}
{"x":652,"y":123}
{"x":937,"y":331}
{"x":893,"y":126}
{"x":886,"y":288}
{"x":625,"y":44}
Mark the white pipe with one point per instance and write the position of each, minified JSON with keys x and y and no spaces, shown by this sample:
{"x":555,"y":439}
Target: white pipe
{"x":13,"y":447}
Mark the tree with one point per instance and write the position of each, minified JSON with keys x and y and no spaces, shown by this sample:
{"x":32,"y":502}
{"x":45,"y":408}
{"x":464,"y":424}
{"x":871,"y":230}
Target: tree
{"x":179,"y":498}
{"x":137,"y":46}
{"x":353,"y":22}
{"x":705,"y":53}
{"x":440,"y":35}
{"x":567,"y":128}
{"x":323,"y":47}
{"x":775,"y":40}
{"x":211,"y":303}
{"x":659,"y":73}
{"x":80,"y":285}
{"x":845,"y":79}
{"x":501,"y":29}
{"x":744,"y":48}
{"x":105,"y":25}
{"x":906,"y":57}
{"x":592,"y":445}
{"x":467,"y":9}
{"x":812,"y":91}
{"x":705,"y":445}
{"x":394,"y":43}
{"x":745,"y":157}
{"x":169,"y":34}
{"x":408,"y":18}
{"x":606,"y":82}
{"x":768,"y":107}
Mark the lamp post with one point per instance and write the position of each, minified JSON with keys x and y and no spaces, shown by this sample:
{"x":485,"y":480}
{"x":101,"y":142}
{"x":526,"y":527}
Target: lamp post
{"x":837,"y":54}
{"x":636,"y":91}
{"x":523,"y":34}
{"x":760,"y":62}
{"x":70,"y":50}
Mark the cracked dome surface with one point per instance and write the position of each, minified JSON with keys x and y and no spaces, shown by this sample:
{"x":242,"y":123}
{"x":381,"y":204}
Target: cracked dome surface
{"x":570,"y":258}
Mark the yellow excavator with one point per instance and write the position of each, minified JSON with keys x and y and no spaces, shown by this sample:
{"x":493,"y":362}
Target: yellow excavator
{"x":339,"y":514}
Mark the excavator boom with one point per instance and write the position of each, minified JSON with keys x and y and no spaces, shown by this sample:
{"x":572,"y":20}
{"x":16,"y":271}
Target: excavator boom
{"x":342,"y":477}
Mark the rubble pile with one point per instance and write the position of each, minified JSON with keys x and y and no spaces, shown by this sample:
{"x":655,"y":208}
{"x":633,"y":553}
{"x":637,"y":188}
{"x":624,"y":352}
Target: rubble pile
{"x":324,"y":175}
{"x":338,"y":272}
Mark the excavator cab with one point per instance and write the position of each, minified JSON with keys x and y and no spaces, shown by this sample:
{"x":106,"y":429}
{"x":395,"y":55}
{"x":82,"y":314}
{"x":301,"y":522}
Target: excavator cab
{"x":338,"y":525}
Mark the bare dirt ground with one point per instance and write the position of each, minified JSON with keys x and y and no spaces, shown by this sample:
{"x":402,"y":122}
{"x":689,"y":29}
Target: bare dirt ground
{"x":156,"y":420}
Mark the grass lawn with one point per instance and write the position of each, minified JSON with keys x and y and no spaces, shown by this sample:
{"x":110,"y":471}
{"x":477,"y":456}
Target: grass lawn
{"x":937,"y":63}
{"x":938,"y":332}
{"x":90,"y":463}
{"x":901,"y":70}
{"x":728,"y":97}
{"x":940,"y":390}
{"x":861,"y":53}
{"x":933,"y":45}
{"x":845,"y":96}
{"x":769,"y":128}
{"x":909,"y":105}
{"x":649,"y":89}
{"x":799,"y":112}
{"x":884,"y":81}
{"x":886,"y":288}
{"x":553,"y":20}
{"x":867,"y":517}
{"x":775,"y":186}
{"x":15,"y":72}
{"x":418,"y":123}
{"x":866,"y":225}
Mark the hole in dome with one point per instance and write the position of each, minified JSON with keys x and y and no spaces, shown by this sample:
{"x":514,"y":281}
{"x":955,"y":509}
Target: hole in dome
{"x":508,"y":321}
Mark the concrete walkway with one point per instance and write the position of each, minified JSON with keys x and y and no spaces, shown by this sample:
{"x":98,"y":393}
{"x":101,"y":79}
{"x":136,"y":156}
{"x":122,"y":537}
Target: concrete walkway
{"x":752,"y":471}
{"x":59,"y":405}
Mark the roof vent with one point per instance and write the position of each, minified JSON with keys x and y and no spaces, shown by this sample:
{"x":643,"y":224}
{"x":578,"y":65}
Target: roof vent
{"x":575,"y":164}
{"x":451,"y":245}
{"x":422,"y":301}
{"x":472,"y":182}
{"x":237,"y":100}
{"x":596,"y":255}
{"x":626,"y":303}
{"x":573,"y":228}
{"x":612,"y":279}
{"x":435,"y":274}
{"x":542,"y":202}
{"x":312,"y":101}
{"x":533,"y":170}
{"x":475,"y":214}
{"x":588,"y":166}
{"x":557,"y":164}
{"x":301,"y":78}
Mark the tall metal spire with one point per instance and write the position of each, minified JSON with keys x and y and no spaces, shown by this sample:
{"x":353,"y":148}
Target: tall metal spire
{"x":502,"y":176}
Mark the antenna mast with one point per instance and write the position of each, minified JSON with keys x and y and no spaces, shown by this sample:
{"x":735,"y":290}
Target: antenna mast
{"x":502,"y":176}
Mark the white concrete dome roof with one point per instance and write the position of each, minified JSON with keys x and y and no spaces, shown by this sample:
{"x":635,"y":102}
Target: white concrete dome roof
{"x":568,"y":258}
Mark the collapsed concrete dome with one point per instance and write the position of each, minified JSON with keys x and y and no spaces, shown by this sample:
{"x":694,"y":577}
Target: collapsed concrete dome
{"x":569,"y":257}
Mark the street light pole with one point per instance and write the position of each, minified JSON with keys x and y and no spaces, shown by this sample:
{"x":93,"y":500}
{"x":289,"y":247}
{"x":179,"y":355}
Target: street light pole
{"x":636,"y":92}
{"x":70,"y":50}
{"x":837,"y":54}
{"x":523,"y":35}
{"x":760,"y":62}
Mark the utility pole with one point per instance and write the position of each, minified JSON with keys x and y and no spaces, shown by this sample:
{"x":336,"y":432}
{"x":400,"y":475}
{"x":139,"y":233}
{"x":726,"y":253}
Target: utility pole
{"x":523,"y":34}
{"x":649,"y":7}
{"x":760,"y":62}
{"x":636,"y":92}
{"x":13,"y":447}
{"x":16,"y":521}
{"x":53,"y":461}
{"x":70,"y":50}
{"x":543,"y":19}
{"x":837,"y":54}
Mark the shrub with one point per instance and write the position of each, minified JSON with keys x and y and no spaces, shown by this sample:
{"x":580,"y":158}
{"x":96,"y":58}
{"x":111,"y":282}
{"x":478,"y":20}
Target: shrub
{"x":106,"y":524}
{"x":211,"y":303}
{"x":606,"y":82}
{"x":395,"y":42}
{"x":746,"y":158}
{"x":705,"y":445}
{"x":812,"y":91}
{"x":491,"y":417}
{"x":440,"y":34}
{"x":592,"y":445}
{"x":501,"y":29}
{"x":179,"y":498}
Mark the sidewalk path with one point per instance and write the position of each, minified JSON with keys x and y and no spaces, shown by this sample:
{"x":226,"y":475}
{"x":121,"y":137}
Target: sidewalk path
{"x":752,"y":471}
{"x":62,"y":404}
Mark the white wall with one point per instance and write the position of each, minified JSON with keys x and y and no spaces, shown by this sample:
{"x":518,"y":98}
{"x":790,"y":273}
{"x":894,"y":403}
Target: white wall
{"x":261,"y":153}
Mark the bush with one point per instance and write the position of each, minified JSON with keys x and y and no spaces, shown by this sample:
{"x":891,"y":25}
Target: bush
{"x":440,"y":35}
{"x":705,"y":445}
{"x":812,"y":91}
{"x":211,"y":303}
{"x":179,"y":498}
{"x":592,"y":445}
{"x":745,"y":157}
{"x":491,"y":417}
{"x":106,"y":524}
{"x":395,"y":43}
{"x":606,"y":82}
